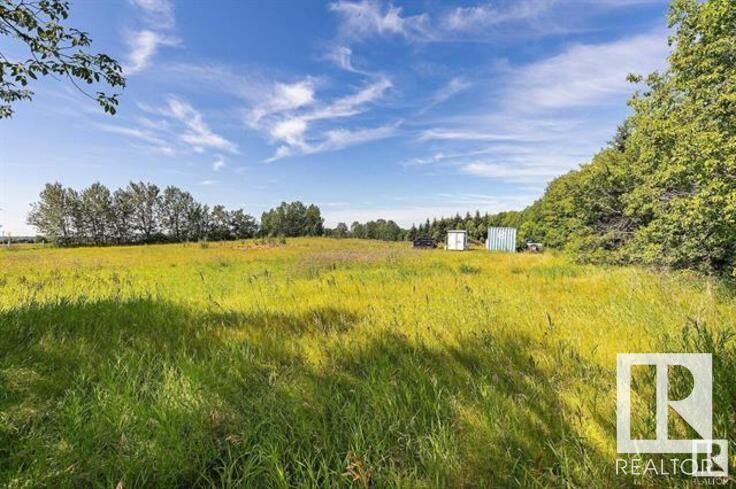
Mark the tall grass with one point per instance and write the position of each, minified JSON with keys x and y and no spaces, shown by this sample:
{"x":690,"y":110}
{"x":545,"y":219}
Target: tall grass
{"x":331,"y":363}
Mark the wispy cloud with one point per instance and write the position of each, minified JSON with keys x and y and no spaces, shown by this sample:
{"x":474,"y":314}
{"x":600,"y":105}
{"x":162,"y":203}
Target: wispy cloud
{"x":342,"y":56}
{"x":452,"y":88}
{"x":143,"y":46}
{"x":198,"y":134}
{"x":471,"y":135}
{"x":367,"y":18}
{"x":178,"y":127}
{"x":284,"y":97}
{"x":159,"y":12}
{"x":334,"y":140}
{"x":287,"y":117}
{"x":509,"y":172}
{"x":218,"y":164}
{"x":483,"y":16}
{"x":156,"y":142}
{"x":363,"y":19}
{"x":587,"y":74}
{"x":549,"y":116}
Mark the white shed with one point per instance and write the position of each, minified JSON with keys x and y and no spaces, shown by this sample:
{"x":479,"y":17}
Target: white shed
{"x":457,"y":240}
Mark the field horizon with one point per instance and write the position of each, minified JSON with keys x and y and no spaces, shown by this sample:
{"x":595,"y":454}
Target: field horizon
{"x":330,"y":363}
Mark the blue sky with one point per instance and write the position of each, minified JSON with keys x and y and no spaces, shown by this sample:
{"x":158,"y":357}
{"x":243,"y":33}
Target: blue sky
{"x":405,"y":110}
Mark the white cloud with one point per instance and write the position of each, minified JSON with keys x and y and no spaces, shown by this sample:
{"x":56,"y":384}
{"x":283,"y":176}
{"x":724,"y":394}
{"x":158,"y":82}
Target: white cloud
{"x":485,"y":16}
{"x":287,"y":118}
{"x":290,"y":131}
{"x":334,"y":140}
{"x":551,"y":115}
{"x":340,"y":138}
{"x":284,"y":97}
{"x":342,"y":57}
{"x":251,"y":87}
{"x":143,"y":46}
{"x":360,"y":20}
{"x":218,"y":164}
{"x":584,"y":75}
{"x":509,"y":172}
{"x":198,"y":134}
{"x":352,"y":104}
{"x":160,"y":12}
{"x":208,"y":182}
{"x":469,"y":135}
{"x":368,"y":18}
{"x":452,"y":88}
{"x":157,"y":143}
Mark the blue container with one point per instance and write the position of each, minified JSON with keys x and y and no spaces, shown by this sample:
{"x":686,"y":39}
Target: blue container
{"x":501,"y":239}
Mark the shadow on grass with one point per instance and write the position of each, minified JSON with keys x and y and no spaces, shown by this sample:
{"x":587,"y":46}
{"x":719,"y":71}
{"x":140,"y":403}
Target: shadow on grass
{"x":153,"y":394}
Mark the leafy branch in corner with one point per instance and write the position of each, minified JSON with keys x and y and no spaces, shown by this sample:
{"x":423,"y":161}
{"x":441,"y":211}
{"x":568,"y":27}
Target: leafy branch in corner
{"x":55,"y":50}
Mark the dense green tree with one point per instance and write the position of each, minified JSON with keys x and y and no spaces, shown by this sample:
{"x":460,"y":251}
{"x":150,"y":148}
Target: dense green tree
{"x":292,"y":219}
{"x":242,"y":226}
{"x":97,"y":214}
{"x":220,"y":224}
{"x":52,"y":214}
{"x":173,"y":211}
{"x":341,"y":230}
{"x":145,"y":200}
{"x":683,"y":145}
{"x":198,"y":222}
{"x":314,"y":225}
{"x":123,"y":210}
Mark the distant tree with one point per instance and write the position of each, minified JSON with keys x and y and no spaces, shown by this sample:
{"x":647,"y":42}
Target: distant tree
{"x":292,"y":219}
{"x":357,"y":230}
{"x":123,"y":210}
{"x":341,"y":230}
{"x":242,"y":226}
{"x":314,"y":224}
{"x":54,"y":49}
{"x":97,"y":214}
{"x":145,"y":200}
{"x":198,"y":221}
{"x":173,"y":209}
{"x":220,"y":224}
{"x":79,"y":235}
{"x":52,"y":214}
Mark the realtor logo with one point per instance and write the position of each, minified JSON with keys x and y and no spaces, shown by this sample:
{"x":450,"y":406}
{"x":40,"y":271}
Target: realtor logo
{"x":709,"y":457}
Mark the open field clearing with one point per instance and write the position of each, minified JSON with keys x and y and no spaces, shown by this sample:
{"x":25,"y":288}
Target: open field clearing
{"x":331,"y":363}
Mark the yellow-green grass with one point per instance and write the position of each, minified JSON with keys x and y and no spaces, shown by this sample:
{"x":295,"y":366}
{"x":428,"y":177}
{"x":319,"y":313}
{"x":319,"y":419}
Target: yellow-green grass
{"x":326,"y":363}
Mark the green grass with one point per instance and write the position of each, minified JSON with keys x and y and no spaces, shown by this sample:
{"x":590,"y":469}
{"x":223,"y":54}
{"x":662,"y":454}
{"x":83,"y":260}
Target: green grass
{"x":327,"y":363}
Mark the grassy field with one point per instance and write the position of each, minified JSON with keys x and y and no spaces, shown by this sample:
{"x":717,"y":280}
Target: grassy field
{"x":331,"y":363}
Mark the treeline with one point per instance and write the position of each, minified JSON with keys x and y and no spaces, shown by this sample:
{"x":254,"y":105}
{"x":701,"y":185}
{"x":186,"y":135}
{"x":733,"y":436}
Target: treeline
{"x":664,"y":191}
{"x":142,"y":213}
{"x":387,"y":230}
{"x":138,"y":213}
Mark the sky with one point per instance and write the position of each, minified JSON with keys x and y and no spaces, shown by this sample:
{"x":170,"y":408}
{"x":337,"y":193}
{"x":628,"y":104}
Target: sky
{"x":369,"y":109}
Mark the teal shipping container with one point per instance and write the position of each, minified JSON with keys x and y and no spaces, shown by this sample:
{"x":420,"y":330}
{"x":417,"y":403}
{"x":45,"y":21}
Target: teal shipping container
{"x":501,"y":239}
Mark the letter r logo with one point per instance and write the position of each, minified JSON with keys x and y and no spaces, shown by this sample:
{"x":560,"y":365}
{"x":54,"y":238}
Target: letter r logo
{"x":696,"y":409}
